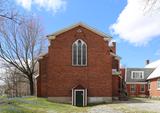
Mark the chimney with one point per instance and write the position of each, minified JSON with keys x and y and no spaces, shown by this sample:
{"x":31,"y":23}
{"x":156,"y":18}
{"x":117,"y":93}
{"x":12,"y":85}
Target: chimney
{"x":147,"y":62}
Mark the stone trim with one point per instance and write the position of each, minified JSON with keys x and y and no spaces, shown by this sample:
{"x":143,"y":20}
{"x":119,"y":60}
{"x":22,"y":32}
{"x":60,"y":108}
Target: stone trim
{"x":136,"y":82}
{"x":61,"y":99}
{"x":99,"y":99}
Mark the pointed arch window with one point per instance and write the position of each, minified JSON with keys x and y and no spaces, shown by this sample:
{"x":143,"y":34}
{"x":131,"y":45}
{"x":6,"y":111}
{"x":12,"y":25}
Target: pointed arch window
{"x":79,"y":53}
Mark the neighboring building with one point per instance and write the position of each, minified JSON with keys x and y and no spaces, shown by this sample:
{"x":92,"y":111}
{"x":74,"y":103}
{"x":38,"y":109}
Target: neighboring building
{"x":80,"y":67}
{"x":143,"y":81}
{"x":136,"y":81}
{"x":154,"y":79}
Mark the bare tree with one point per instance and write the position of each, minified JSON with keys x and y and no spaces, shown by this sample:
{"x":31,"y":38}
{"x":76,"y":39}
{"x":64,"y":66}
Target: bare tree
{"x":8,"y":12}
{"x":21,"y":45}
{"x":14,"y":82}
{"x":2,"y":89}
{"x":152,"y":5}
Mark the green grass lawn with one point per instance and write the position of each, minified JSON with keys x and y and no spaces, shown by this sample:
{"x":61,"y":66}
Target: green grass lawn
{"x":41,"y":105}
{"x":36,"y":105}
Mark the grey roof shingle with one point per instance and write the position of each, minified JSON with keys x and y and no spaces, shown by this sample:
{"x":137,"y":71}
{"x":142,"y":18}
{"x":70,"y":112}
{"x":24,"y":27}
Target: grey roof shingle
{"x":147,"y":72}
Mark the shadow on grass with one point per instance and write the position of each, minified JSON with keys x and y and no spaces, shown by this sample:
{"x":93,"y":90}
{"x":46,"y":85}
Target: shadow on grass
{"x":96,"y":104}
{"x":11,"y":107}
{"x":132,"y":100}
{"x":42,"y":101}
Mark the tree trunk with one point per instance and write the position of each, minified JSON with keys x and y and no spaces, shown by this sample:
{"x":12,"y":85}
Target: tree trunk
{"x":31,"y":83}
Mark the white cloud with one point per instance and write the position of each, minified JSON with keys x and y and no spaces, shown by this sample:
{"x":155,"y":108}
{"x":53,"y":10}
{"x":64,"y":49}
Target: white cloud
{"x":136,"y":23}
{"x":25,"y":3}
{"x":49,"y":5}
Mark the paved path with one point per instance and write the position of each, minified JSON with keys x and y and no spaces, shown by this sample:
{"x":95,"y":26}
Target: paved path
{"x":147,"y":105}
{"x":138,"y":105}
{"x":102,"y":109}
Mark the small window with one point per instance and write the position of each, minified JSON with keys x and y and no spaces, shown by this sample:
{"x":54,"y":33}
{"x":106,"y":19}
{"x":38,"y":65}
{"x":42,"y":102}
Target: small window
{"x":158,"y":84}
{"x":143,"y":88}
{"x":137,"y":75}
{"x":79,"y":53}
{"x":133,"y":88}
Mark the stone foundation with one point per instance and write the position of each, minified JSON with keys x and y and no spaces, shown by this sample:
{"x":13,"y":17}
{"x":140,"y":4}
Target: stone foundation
{"x":89,"y":99}
{"x":61,"y":99}
{"x":99,"y":99}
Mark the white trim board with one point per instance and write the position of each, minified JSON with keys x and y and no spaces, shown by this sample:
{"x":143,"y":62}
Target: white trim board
{"x":83,"y":25}
{"x":136,"y":82}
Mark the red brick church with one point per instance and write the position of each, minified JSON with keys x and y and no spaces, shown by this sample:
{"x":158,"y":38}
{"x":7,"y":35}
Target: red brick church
{"x":81,"y":67}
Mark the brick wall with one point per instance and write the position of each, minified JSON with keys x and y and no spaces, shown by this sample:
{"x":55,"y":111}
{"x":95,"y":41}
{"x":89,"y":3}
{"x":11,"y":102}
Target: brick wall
{"x":122,"y":70}
{"x":116,"y":86}
{"x":42,"y":79}
{"x":137,"y":91}
{"x":62,"y":76}
{"x":154,"y":92}
{"x":115,"y":64}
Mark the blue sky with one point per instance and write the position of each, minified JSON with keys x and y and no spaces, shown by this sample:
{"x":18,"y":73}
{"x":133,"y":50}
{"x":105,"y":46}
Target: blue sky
{"x":136,"y":35}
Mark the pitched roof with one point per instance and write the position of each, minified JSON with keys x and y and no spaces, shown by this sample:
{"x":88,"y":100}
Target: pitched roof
{"x":154,"y":64}
{"x":83,"y":25}
{"x":155,"y":73}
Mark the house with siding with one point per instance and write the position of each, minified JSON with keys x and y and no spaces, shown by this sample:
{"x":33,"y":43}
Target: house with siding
{"x":81,"y":67}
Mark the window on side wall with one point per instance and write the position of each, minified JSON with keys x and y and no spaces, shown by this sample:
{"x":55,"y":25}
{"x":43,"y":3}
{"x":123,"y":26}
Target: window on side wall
{"x":133,"y":88}
{"x":158,"y":84}
{"x":142,"y":87}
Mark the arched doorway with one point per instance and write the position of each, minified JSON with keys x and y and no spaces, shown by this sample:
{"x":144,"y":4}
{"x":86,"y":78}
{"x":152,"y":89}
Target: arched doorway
{"x":79,"y":96}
